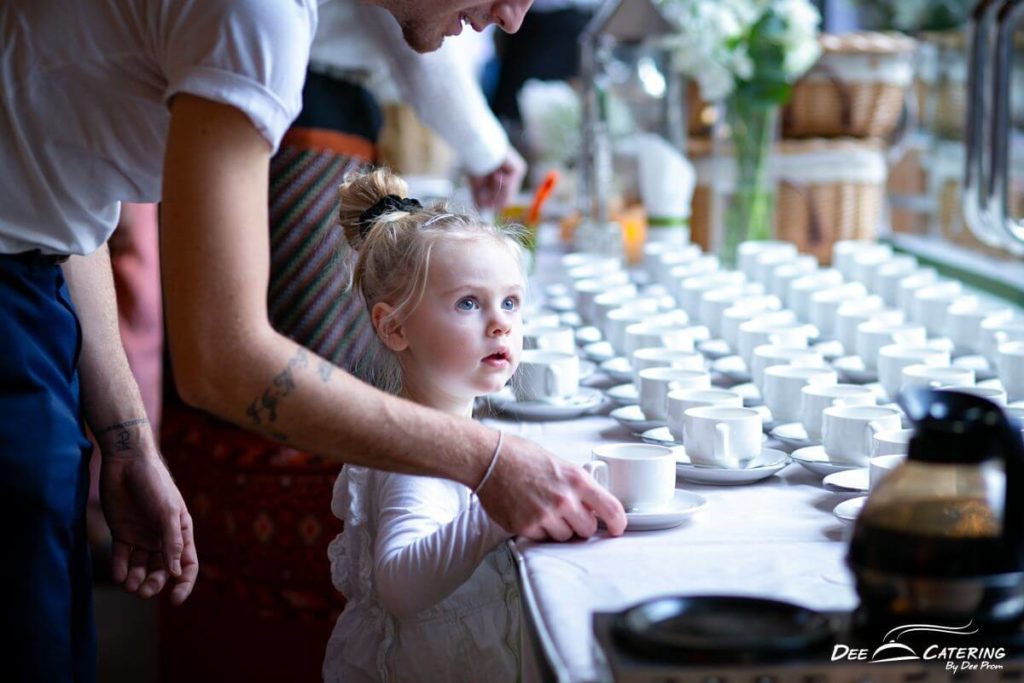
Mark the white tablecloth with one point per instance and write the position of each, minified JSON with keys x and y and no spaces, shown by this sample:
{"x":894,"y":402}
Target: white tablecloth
{"x":777,"y":538}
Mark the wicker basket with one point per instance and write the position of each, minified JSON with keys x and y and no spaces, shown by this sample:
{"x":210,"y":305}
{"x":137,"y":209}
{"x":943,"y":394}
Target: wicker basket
{"x":828,"y":190}
{"x":857,"y":88}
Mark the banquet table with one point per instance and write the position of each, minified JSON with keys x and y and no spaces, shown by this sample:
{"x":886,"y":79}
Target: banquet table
{"x":777,"y":538}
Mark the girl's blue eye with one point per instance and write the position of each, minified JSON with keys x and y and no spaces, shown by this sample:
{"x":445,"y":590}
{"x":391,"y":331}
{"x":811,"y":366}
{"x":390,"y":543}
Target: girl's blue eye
{"x":510,"y":304}
{"x":467,"y":304}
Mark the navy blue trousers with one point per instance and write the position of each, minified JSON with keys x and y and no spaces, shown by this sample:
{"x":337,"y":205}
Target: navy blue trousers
{"x":46,"y":621}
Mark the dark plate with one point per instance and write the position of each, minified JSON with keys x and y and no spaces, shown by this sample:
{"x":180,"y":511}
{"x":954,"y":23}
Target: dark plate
{"x":715,"y":628}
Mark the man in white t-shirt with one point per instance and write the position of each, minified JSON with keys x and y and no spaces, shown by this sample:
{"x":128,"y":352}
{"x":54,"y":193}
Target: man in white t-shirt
{"x":90,"y":92}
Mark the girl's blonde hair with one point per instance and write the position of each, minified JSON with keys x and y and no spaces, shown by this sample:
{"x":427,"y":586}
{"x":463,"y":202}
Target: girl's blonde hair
{"x":392,"y":251}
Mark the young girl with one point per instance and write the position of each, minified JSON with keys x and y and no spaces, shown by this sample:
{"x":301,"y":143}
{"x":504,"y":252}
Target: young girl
{"x":429,"y":580}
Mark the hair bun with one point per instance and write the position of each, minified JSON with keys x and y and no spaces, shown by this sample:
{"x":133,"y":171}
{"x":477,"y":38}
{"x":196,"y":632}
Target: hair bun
{"x":389,"y":203}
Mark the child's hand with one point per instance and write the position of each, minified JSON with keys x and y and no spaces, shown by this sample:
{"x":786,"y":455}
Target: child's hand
{"x":533,"y":494}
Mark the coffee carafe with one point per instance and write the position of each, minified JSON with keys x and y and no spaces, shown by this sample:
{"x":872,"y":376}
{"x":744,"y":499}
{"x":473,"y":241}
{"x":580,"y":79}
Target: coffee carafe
{"x":942,"y":537}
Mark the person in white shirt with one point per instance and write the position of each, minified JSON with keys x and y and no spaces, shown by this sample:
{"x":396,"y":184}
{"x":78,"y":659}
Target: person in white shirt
{"x":181,"y":101}
{"x":429,"y":582}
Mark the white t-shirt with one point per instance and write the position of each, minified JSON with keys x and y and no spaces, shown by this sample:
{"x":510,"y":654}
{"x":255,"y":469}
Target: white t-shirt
{"x":84,"y":89}
{"x":431,"y":587}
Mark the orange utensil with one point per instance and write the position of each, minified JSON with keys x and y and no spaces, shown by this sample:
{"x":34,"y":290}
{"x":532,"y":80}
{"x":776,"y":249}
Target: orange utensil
{"x":543,"y":192}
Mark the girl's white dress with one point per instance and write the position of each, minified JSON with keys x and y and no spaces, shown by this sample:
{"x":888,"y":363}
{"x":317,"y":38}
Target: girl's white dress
{"x":430,"y":583}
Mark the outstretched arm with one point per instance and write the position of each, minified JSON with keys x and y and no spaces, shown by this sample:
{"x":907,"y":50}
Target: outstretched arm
{"x":426,"y":547}
{"x":228,"y":360}
{"x":151,"y":526}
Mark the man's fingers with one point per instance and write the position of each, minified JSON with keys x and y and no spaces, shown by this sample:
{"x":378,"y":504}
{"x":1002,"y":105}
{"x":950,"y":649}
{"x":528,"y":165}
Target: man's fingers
{"x":137,"y":564}
{"x":189,"y":572}
{"x":582,"y":521}
{"x":606,"y":506}
{"x":172,"y":542}
{"x":119,"y":561}
{"x":154,"y":583}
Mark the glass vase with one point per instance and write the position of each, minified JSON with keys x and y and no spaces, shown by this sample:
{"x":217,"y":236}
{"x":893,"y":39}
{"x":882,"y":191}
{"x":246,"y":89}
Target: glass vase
{"x":746,"y":211}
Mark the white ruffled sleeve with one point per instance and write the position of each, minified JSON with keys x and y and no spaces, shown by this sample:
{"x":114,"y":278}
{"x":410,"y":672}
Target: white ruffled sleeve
{"x":431,"y":537}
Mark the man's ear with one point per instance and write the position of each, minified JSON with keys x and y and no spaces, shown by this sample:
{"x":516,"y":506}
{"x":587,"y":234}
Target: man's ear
{"x":389,"y":329}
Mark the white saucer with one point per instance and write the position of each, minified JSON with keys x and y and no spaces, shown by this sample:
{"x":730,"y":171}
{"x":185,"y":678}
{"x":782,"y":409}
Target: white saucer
{"x":714,"y":348}
{"x":983,"y":370}
{"x":599,"y":352}
{"x":750,"y":393}
{"x":941,"y":344}
{"x":793,"y":435}
{"x":587,"y":335}
{"x":660,"y":436}
{"x":830,"y":350}
{"x":564,"y":409}
{"x":815,"y":459}
{"x":675,"y":513}
{"x":849,"y":509}
{"x":624,"y":394}
{"x":851,"y":369}
{"x":732,"y":368}
{"x":768,"y":463}
{"x":849,"y":480}
{"x":587,"y":368}
{"x":633,"y":419}
{"x":618,"y":369}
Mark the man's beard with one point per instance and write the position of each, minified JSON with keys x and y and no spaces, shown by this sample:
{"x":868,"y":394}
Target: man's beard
{"x":420,"y":37}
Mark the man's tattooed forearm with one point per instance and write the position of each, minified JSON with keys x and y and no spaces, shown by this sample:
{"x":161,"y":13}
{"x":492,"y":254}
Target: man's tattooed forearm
{"x":122,"y":426}
{"x":122,"y":432}
{"x":264,"y":407}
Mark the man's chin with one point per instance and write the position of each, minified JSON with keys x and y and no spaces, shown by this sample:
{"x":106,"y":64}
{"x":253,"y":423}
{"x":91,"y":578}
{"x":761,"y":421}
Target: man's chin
{"x":421,"y":39}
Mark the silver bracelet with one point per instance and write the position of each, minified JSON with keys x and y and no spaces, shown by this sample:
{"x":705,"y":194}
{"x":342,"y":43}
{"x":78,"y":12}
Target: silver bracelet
{"x":490,"y":468}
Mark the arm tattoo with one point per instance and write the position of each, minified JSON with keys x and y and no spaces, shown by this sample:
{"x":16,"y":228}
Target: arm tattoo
{"x":123,"y":439}
{"x":122,"y":426}
{"x":265,"y":405}
{"x":325,"y":370}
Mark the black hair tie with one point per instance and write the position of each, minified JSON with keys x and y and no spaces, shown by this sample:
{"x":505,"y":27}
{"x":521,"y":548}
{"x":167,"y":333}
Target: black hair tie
{"x":386,"y":204}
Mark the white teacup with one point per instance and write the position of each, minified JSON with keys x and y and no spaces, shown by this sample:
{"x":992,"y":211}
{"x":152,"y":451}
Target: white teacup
{"x":845,"y":253}
{"x":866,"y":264}
{"x":760,"y":331}
{"x":645,"y":336}
{"x":768,"y":355}
{"x":852,"y":313}
{"x":546,"y":376}
{"x":848,"y":431}
{"x":692,"y":289}
{"x":783,"y":385}
{"x":722,"y":435}
{"x":549,"y":338}
{"x":994,"y":394}
{"x":1010,"y":365}
{"x":826,"y":303}
{"x":894,"y":357}
{"x":582,"y":258}
{"x":921,"y":375}
{"x":589,"y":291}
{"x":964,"y":317}
{"x":815,"y":398}
{"x":798,"y":298}
{"x":656,"y":383}
{"x":606,"y":302}
{"x":998,"y":330}
{"x":881,"y":466}
{"x":683,"y":399}
{"x":750,"y":309}
{"x":767,"y":261}
{"x":662,"y":357}
{"x":748,"y":252}
{"x":894,"y":442}
{"x":641,"y":476}
{"x":888,"y":276}
{"x":714,"y":302}
{"x":910,"y":283}
{"x":874,"y":334}
{"x":619,"y":320}
{"x":785,"y":274}
{"x":930,"y":303}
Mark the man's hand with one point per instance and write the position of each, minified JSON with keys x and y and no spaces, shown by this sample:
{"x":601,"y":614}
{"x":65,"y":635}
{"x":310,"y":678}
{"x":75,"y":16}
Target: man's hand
{"x":533,"y":494}
{"x":496,"y":189}
{"x":151,"y":527}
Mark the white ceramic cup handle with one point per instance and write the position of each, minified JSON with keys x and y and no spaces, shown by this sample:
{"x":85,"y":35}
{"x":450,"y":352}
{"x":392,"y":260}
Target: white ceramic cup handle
{"x":873,"y":428}
{"x":551,"y":381}
{"x":598,"y":470}
{"x":902,"y":337}
{"x":723,"y":442}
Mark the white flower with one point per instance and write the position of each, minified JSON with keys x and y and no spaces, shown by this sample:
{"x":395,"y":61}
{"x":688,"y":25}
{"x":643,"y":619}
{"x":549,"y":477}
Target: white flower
{"x":551,"y":114}
{"x":713,"y":42}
